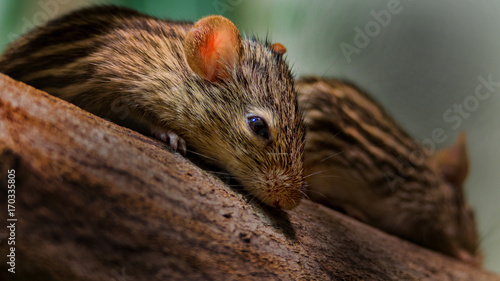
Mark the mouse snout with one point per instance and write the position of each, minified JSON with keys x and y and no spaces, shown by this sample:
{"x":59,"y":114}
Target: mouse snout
{"x":282,"y":190}
{"x":469,"y":258}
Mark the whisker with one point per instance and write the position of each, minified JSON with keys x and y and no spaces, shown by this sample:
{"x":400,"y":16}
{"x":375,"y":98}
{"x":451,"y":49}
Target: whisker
{"x":333,"y":155}
{"x":219,"y":172}
{"x":310,"y":175}
{"x":277,"y":153}
{"x":203,"y":155}
{"x":328,"y":140}
{"x":325,"y":175}
{"x":323,"y":196}
{"x":343,"y":177}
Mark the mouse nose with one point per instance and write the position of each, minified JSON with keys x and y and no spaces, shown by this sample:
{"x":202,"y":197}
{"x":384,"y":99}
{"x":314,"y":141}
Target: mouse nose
{"x":281,"y":189}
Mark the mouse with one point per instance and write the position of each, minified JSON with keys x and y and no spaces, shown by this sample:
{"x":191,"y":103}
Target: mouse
{"x":195,"y":86}
{"x":360,"y":161}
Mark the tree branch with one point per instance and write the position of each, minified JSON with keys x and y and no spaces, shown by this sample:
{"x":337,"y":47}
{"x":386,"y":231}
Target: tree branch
{"x":95,"y":201}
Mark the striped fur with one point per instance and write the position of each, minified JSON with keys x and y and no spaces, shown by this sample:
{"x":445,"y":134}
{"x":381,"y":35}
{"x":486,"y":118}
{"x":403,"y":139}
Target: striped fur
{"x":360,"y":161}
{"x":131,"y":68}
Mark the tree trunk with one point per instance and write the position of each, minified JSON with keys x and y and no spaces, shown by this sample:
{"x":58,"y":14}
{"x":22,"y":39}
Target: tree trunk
{"x":96,"y":201}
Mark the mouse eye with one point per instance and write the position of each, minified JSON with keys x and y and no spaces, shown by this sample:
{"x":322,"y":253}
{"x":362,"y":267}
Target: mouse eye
{"x":258,"y":126}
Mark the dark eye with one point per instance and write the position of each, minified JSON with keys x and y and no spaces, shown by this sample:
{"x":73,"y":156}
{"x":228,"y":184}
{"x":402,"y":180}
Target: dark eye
{"x":258,"y":126}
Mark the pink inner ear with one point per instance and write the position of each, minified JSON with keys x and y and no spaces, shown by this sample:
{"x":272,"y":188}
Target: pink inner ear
{"x":219,"y":51}
{"x":212,"y":46}
{"x":209,"y":56}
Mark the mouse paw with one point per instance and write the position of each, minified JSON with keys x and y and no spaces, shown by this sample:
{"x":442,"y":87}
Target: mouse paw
{"x":172,"y":139}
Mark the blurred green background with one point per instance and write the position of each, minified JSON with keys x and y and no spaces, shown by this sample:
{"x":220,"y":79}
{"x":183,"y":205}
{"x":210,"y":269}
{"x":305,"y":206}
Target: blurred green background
{"x":418,"y":63}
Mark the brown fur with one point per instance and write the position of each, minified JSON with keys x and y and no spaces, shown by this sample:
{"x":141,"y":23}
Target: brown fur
{"x":363,"y":163}
{"x":132,"y":69}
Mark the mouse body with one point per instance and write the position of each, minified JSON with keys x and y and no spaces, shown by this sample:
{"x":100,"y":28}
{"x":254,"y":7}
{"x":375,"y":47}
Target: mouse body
{"x":196,"y":86}
{"x":360,"y":161}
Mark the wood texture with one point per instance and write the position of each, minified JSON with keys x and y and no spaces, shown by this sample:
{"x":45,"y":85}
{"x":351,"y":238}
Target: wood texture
{"x":95,"y":201}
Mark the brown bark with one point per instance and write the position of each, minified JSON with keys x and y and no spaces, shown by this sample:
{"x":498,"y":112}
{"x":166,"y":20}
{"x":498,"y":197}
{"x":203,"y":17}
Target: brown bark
{"x":95,"y":201}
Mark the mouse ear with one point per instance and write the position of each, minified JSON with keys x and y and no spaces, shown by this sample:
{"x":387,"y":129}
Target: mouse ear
{"x":453,"y":162}
{"x":278,"y":49}
{"x":212,"y":46}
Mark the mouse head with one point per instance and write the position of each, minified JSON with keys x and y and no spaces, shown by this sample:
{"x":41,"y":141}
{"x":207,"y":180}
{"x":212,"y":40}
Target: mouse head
{"x":250,"y":118}
{"x":460,"y":238}
{"x":436,"y":215}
